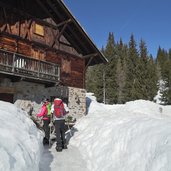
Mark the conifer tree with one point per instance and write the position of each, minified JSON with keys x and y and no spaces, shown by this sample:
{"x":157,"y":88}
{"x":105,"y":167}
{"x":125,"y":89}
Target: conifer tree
{"x":163,"y":58}
{"x":110,"y":70}
{"x":152,"y":79}
{"x":121,"y":71}
{"x":109,"y":50}
{"x":132,"y":83}
{"x":120,"y":80}
{"x":143,"y":71}
{"x":94,"y":81}
{"x":166,"y":92}
{"x":129,"y":74}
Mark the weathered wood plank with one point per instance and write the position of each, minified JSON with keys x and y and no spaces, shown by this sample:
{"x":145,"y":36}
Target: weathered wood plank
{"x":8,"y":90}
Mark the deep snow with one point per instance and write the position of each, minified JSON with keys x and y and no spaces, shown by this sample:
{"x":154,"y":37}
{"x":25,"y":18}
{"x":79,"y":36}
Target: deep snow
{"x":20,"y":140}
{"x":135,"y":137}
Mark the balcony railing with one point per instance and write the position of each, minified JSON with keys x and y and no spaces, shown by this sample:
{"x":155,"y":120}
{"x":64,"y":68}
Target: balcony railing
{"x":20,"y":65}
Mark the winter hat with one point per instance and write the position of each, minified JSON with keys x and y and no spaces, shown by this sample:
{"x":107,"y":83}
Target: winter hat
{"x":57,"y":99}
{"x":45,"y":100}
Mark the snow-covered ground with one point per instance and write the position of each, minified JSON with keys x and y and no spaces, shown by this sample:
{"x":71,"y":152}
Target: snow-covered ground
{"x":20,"y":140}
{"x":135,"y":137}
{"x":131,"y":137}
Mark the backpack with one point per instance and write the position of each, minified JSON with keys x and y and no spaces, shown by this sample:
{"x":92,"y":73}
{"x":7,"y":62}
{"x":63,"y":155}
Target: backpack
{"x":48,"y":106}
{"x":59,"y":108}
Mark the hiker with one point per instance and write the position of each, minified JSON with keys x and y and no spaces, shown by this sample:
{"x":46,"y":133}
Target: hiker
{"x":45,"y":113}
{"x":59,"y":111}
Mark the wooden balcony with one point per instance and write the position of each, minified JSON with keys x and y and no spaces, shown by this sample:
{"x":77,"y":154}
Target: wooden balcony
{"x":28,"y":68}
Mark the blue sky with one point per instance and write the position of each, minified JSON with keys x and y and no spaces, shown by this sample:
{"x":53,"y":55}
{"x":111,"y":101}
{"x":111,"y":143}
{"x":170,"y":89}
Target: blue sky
{"x":149,"y":20}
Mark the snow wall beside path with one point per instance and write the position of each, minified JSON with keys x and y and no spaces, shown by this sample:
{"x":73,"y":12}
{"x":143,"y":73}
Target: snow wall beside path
{"x":135,"y":136}
{"x":20,"y":140}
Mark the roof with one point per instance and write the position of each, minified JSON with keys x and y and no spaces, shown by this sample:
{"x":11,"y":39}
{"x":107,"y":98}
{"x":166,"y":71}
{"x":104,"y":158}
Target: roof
{"x":73,"y":32}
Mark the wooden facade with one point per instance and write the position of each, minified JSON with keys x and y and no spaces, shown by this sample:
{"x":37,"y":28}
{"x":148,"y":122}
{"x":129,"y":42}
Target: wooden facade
{"x":40,"y":41}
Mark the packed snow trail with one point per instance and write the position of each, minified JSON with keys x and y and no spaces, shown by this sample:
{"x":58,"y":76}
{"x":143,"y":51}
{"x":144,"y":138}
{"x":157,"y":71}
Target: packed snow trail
{"x":68,"y":160}
{"x":129,"y":137}
{"x":134,"y":136}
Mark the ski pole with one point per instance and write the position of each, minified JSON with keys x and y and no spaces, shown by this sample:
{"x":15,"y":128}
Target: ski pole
{"x":69,"y":129}
{"x":50,"y":131}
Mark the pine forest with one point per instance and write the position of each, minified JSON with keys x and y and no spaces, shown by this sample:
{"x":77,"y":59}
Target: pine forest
{"x":131,"y":73}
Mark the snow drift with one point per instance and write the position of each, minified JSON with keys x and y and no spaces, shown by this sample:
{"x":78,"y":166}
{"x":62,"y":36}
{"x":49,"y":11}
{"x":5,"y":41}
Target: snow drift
{"x":20,"y":140}
{"x":135,"y":136}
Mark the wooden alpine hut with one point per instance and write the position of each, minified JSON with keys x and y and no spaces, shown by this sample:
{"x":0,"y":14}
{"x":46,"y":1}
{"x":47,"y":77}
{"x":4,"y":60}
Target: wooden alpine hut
{"x":44,"y":52}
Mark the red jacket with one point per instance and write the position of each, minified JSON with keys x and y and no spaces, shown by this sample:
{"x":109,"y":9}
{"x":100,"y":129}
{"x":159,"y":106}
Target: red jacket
{"x":43,"y":112}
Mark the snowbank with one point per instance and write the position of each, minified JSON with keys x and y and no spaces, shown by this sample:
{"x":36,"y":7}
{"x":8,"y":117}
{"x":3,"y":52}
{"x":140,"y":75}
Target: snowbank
{"x":20,"y":142}
{"x":135,"y":136}
{"x":131,"y":137}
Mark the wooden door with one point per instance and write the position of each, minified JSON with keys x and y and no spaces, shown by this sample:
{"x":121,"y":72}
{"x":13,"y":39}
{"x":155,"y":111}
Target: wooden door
{"x":6,"y":97}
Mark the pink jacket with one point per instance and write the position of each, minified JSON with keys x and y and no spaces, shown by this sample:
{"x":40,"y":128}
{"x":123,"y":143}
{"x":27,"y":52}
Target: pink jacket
{"x":43,"y":112}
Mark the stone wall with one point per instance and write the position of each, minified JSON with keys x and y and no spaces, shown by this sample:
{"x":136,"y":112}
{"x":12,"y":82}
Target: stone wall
{"x":28,"y":96}
{"x":77,"y":102}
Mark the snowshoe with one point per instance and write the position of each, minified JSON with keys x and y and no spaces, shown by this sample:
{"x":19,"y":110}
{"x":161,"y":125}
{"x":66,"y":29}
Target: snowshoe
{"x":64,"y":146}
{"x":45,"y":141}
{"x":58,"y":149}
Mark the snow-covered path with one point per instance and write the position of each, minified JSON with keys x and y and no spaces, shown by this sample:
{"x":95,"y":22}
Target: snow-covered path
{"x":129,"y":137}
{"x":67,"y":160}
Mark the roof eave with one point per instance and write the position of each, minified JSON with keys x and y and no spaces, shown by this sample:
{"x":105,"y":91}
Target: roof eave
{"x":101,"y":56}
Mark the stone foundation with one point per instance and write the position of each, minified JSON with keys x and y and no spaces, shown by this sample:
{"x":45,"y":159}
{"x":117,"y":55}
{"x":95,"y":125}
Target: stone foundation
{"x":28,"y":96}
{"x":77,"y":102}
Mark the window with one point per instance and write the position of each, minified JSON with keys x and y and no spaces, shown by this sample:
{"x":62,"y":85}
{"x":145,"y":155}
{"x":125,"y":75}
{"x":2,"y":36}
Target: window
{"x":39,"y":30}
